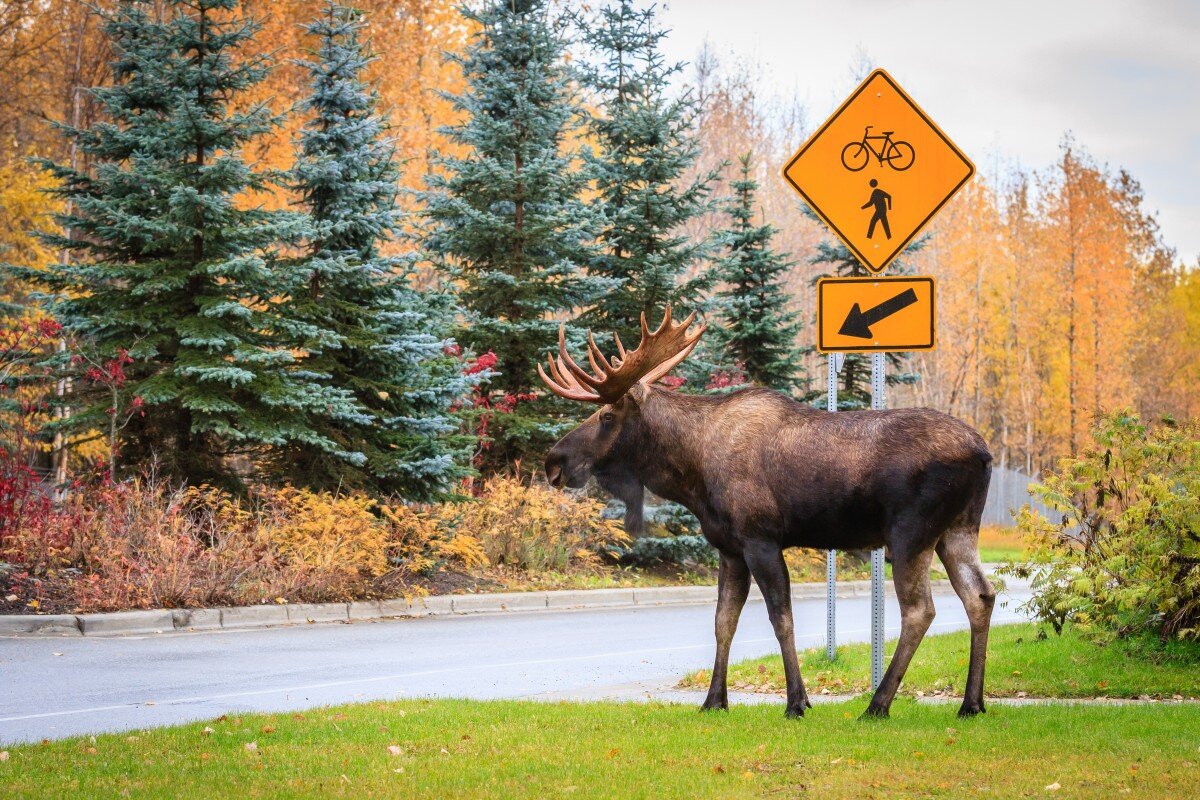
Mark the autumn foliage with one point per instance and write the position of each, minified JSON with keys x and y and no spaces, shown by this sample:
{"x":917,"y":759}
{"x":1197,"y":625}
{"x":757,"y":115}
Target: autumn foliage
{"x":144,"y":543}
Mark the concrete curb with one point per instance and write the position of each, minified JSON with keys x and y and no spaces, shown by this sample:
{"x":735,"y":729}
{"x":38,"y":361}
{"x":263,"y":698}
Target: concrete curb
{"x":127,"y":623}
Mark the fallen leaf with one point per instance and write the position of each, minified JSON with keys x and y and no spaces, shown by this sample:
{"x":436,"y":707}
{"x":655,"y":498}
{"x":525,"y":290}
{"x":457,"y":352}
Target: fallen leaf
{"x":268,"y":729}
{"x":1054,"y":787}
{"x":394,"y":749}
{"x":748,"y":775}
{"x":131,"y":738}
{"x":207,"y":731}
{"x":613,"y":753}
{"x":718,"y":769}
{"x":56,"y":654}
{"x":12,"y":598}
{"x":3,"y":755}
{"x":90,"y":750}
{"x":251,"y":746}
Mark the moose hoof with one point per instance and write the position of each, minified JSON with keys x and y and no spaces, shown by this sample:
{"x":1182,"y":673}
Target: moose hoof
{"x":714,"y":705}
{"x":796,"y":710}
{"x":875,"y":712}
{"x":971,"y":709}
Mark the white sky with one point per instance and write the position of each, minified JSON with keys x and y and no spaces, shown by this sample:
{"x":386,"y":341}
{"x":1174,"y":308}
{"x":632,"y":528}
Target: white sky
{"x":1005,"y":79}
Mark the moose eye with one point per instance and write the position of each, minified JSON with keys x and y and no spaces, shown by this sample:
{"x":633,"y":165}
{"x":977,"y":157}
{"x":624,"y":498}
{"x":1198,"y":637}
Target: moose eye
{"x":607,"y":417}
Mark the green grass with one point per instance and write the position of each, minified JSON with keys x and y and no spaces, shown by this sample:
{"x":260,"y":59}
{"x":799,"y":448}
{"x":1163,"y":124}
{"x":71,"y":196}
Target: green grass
{"x":1000,"y":545}
{"x":457,"y":749}
{"x":1019,"y":660}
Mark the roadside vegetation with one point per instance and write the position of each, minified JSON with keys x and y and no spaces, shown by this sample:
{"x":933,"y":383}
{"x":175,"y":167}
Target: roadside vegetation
{"x":1121,"y":556}
{"x":148,"y":543}
{"x":495,"y":750}
{"x":1023,"y":661}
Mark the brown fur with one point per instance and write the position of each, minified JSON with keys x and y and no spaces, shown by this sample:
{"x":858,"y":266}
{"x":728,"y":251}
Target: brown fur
{"x":763,"y":472}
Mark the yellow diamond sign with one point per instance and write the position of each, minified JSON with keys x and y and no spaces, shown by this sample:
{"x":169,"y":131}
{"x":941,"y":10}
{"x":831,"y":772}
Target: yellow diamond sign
{"x":878,"y":170}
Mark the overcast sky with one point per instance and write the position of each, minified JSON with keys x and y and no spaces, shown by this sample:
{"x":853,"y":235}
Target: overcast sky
{"x":1005,"y":80}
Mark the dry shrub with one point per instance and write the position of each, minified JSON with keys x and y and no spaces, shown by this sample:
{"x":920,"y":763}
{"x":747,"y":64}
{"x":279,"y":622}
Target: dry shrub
{"x":534,"y":527}
{"x":421,"y":544}
{"x":144,"y":543}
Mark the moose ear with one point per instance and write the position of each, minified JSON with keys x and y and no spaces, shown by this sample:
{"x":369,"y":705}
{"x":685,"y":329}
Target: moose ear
{"x":638,"y":393}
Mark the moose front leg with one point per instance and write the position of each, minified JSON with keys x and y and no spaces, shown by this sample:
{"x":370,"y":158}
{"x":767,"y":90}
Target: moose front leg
{"x":766,"y":564}
{"x":733,"y":584}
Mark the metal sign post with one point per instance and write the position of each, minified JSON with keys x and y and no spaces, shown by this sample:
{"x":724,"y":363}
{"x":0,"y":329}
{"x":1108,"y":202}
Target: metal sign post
{"x":878,"y":402}
{"x":831,"y":555}
{"x":876,"y":173}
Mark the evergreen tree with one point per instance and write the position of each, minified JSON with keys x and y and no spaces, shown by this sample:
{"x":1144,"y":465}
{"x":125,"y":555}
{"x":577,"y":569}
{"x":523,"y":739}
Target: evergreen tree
{"x":168,"y":261}
{"x":854,"y":380}
{"x":506,"y":219}
{"x":644,"y":134}
{"x":385,"y":342}
{"x":759,"y":332}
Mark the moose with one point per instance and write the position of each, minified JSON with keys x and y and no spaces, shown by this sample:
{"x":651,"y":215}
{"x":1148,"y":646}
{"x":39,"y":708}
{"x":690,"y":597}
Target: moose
{"x":763,"y":472}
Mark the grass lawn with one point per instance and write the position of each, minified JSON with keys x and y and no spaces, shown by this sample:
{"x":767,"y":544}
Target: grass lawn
{"x":459,"y":749}
{"x":999,"y":545}
{"x":1018,"y":661}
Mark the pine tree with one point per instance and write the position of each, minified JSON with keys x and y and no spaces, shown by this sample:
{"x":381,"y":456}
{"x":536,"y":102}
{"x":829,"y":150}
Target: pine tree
{"x":386,"y":343}
{"x":507,"y":221}
{"x":759,"y":331}
{"x":169,"y":261}
{"x":644,"y":134}
{"x":854,"y":380}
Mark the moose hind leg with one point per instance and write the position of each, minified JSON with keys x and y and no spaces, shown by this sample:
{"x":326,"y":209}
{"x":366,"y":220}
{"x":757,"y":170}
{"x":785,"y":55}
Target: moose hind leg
{"x":733,"y":584}
{"x":910,"y":572}
{"x":959,"y":553}
{"x":770,"y":572}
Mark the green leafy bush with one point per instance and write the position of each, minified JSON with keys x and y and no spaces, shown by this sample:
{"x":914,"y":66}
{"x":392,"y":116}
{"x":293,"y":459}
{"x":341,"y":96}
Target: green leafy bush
{"x":1123,"y":559}
{"x":684,"y":550}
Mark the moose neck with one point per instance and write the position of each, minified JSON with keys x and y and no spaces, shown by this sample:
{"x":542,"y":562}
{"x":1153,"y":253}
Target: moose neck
{"x":665,"y":450}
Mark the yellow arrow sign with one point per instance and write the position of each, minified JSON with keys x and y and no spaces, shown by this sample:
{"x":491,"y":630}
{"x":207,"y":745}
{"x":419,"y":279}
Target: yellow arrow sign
{"x":859,"y":315}
{"x":878,"y":170}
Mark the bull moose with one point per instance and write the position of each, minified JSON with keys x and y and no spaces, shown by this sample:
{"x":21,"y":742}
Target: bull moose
{"x":763,"y":472}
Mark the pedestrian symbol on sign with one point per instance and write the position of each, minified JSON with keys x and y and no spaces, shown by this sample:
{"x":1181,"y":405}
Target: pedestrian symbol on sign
{"x":882,"y":201}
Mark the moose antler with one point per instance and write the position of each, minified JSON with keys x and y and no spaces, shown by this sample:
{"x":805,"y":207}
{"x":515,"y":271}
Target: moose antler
{"x":656,"y":355}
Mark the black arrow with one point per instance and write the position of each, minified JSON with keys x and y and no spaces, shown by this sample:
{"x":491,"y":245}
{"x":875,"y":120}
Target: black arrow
{"x":858,"y":322}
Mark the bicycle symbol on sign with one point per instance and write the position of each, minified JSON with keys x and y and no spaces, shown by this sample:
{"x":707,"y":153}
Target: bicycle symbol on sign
{"x":899,"y":155}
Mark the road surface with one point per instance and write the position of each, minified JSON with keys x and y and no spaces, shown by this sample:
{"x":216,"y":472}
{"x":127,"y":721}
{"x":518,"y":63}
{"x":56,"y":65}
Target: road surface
{"x":56,"y":687}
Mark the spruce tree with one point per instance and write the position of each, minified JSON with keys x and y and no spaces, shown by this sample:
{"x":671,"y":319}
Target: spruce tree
{"x":168,"y":259}
{"x":506,"y":219}
{"x":759,"y":332}
{"x":386,"y":341}
{"x":643,"y":131}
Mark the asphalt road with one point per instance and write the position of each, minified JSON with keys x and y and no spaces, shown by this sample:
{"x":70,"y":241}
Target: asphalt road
{"x":57,"y":687}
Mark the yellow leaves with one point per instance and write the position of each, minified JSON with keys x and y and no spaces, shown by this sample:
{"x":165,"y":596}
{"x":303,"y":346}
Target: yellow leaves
{"x":532,"y":527}
{"x":327,"y":531}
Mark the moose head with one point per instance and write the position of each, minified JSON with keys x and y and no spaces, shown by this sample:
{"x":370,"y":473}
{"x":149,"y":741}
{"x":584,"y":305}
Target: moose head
{"x":601,"y":445}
